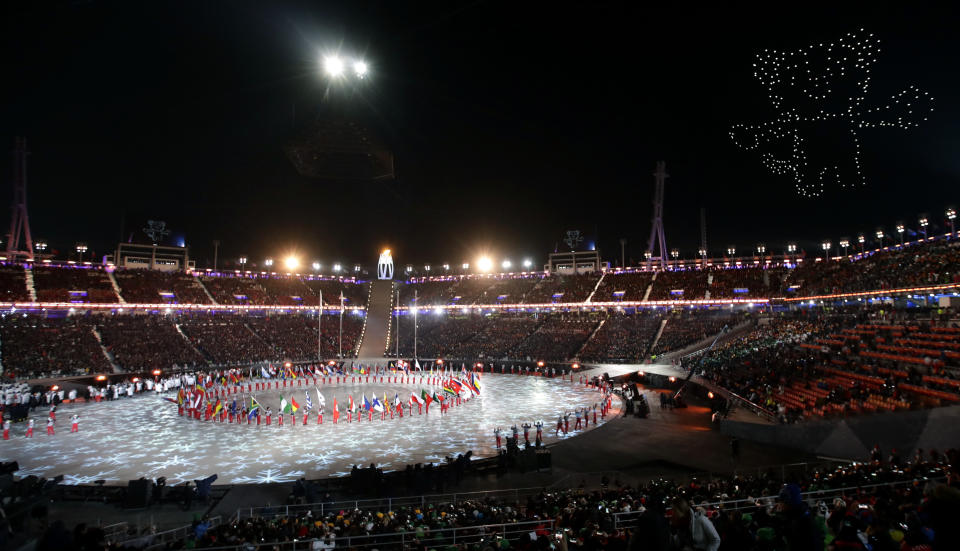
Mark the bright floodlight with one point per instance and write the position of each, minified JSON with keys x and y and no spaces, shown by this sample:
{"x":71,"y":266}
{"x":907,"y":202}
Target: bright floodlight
{"x":360,"y":68}
{"x":506,"y":264}
{"x":316,"y":266}
{"x":527,"y":263}
{"x":484,"y":264}
{"x":291,"y":262}
{"x":333,"y":66}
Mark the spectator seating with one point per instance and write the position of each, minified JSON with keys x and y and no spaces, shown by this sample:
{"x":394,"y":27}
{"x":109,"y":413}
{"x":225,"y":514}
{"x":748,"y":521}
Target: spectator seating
{"x":73,"y":284}
{"x":227,"y":340}
{"x":13,"y":284}
{"x":38,"y":347}
{"x":622,"y":338}
{"x":155,"y":287}
{"x":142,"y":343}
{"x":294,"y":337}
{"x":628,"y":286}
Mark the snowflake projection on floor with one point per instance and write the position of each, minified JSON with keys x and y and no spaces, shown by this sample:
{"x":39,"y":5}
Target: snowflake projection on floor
{"x":269,"y":476}
{"x":819,"y":95}
{"x":76,"y":479}
{"x":144,"y":437}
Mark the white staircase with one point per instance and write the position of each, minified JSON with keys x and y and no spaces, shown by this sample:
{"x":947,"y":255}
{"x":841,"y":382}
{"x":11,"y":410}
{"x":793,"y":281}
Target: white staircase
{"x":595,"y":287}
{"x":659,"y":332}
{"x":375,"y":338}
{"x":31,"y":289}
{"x":106,"y":353}
{"x":116,"y":287}
{"x":646,"y":293}
{"x":205,"y":290}
{"x":590,"y":338}
{"x":189,"y":342}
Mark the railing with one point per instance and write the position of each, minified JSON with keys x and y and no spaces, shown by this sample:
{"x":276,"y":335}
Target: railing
{"x":387,"y":503}
{"x":152,"y":541}
{"x":433,"y":538}
{"x":113,"y":531}
{"x":629,"y":519}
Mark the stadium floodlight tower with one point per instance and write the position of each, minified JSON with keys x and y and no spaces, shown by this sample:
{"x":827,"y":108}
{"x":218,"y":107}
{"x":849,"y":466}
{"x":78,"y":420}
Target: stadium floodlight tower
{"x":656,"y":227}
{"x":19,"y":242}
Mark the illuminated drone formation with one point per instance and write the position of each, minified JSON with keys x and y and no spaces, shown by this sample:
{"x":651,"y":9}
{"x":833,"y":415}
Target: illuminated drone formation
{"x":821,"y":91}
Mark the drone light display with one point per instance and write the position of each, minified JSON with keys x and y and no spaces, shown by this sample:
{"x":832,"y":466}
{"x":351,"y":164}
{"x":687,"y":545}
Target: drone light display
{"x":819,"y":97}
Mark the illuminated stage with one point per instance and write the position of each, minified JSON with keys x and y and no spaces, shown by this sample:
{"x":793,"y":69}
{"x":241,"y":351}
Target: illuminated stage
{"x":144,"y":437}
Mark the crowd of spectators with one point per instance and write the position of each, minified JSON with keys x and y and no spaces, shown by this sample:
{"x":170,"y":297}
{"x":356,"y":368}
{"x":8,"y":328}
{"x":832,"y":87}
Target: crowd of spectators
{"x":295,"y":337}
{"x":623,"y":286}
{"x":689,"y":327}
{"x":354,"y":294}
{"x":895,"y":504}
{"x":814,"y":363}
{"x":73,"y":284}
{"x":557,"y":338}
{"x":36,"y":347}
{"x":13,"y":284}
{"x":746,"y":282}
{"x":156,"y":287}
{"x":226,"y":339}
{"x":563,"y":288}
{"x":497,"y":338}
{"x":142,"y":343}
{"x":235,"y":290}
{"x":929,"y":263}
{"x":679,"y":285}
{"x":622,"y":338}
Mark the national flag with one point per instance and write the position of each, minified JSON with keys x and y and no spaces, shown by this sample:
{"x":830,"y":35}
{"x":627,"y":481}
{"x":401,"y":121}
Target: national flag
{"x":264,"y":373}
{"x":284,"y":405}
{"x":414,"y":399}
{"x":199,"y":401}
{"x":437,"y":398}
{"x":309,"y":403}
{"x":366,"y":403}
{"x":352,"y":407}
{"x":254,"y":408}
{"x":181,"y":396}
{"x":450,"y":386}
{"x":217,"y":407}
{"x":416,"y":365}
{"x":426,"y":397}
{"x":321,"y":403}
{"x":396,"y":401}
{"x":336,"y":411}
{"x":233,"y":407}
{"x":385,"y":402}
{"x":171,"y":400}
{"x":377,"y":406}
{"x":294,"y":406}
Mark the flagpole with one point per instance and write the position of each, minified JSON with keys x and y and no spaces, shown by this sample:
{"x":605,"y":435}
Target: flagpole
{"x":320,"y":329}
{"x":398,"y":325}
{"x":416,"y":304}
{"x":341,"y":325}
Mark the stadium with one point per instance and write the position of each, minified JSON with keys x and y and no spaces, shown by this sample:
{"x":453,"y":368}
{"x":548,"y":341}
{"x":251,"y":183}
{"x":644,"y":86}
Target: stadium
{"x":236,"y":392}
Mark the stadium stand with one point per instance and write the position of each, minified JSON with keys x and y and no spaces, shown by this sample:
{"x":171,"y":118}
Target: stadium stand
{"x":295,"y":337}
{"x":901,"y":503}
{"x":142,"y":343}
{"x":13,"y":284}
{"x":38,"y":347}
{"x":226,"y":340}
{"x":73,"y":284}
{"x":155,"y":287}
{"x":622,"y":338}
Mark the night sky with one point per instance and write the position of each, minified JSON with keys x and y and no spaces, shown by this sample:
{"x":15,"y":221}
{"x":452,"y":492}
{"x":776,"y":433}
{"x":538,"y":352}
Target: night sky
{"x":511,"y":123}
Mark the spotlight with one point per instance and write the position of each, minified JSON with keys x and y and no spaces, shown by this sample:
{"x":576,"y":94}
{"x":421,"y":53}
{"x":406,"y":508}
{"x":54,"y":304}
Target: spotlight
{"x":360,"y":68}
{"x":291,"y":262}
{"x":484,"y":264}
{"x":333,"y":65}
